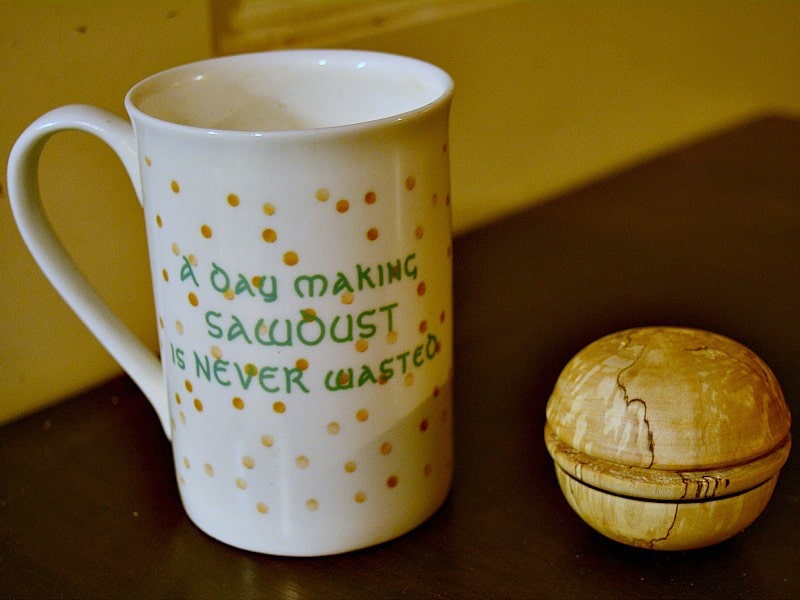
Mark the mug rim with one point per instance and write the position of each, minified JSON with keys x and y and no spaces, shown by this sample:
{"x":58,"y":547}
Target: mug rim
{"x":430,"y":70}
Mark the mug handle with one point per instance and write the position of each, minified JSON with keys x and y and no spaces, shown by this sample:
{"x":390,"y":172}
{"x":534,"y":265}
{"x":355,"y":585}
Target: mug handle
{"x":23,"y":190}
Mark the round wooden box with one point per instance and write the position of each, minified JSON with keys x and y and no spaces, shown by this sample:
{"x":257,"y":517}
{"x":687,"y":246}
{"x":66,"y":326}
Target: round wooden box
{"x":667,"y":438}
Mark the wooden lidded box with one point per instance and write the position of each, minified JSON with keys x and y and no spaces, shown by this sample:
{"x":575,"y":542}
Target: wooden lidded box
{"x":667,"y":438}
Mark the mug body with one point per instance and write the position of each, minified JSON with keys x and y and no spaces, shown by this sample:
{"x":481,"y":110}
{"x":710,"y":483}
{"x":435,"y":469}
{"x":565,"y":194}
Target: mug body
{"x":298,"y":219}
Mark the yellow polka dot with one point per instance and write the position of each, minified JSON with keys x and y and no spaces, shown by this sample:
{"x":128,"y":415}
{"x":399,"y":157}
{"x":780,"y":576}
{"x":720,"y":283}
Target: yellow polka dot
{"x":269,"y":209}
{"x":372,"y":234}
{"x":269,"y":235}
{"x":409,"y":379}
{"x":350,"y":466}
{"x":233,"y":200}
{"x":248,"y":462}
{"x":392,"y":481}
{"x":186,"y":462}
{"x":411,"y":181}
{"x":362,"y":415}
{"x":188,"y":385}
{"x":262,"y":508}
{"x":308,"y":314}
{"x":198,"y":404}
{"x":302,"y":462}
{"x":148,"y":161}
{"x":208,"y":469}
{"x":182,"y":480}
{"x":193,"y":299}
{"x":342,"y":206}
{"x":370,"y":197}
{"x":419,"y":232}
{"x":216,"y":352}
{"x":279,"y":407}
{"x":391,"y":337}
{"x":179,"y":327}
{"x":251,"y":369}
{"x":291,"y":258}
{"x":360,"y":497}
{"x":193,"y":260}
{"x":159,"y":222}
{"x":362,"y":345}
{"x":241,"y":483}
{"x":348,"y":297}
{"x":228,"y":294}
{"x":343,"y":378}
{"x":267,"y":441}
{"x":312,"y":504}
{"x":333,"y":428}
{"x":164,"y":274}
{"x":177,"y":398}
{"x":301,"y":364}
{"x":238,"y":403}
{"x":386,"y":448}
{"x":183,"y":418}
{"x":175,"y":186}
{"x":175,"y":249}
{"x":161,"y":322}
{"x":206,"y":232}
{"x":323,"y":194}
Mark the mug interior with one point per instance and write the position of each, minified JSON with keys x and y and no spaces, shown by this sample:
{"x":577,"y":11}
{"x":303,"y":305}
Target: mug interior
{"x":290,"y":90}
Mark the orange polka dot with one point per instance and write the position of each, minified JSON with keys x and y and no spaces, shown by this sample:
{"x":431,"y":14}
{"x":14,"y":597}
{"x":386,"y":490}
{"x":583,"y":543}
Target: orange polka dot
{"x":427,"y":469}
{"x":251,"y":369}
{"x":269,"y":235}
{"x":216,"y":352}
{"x":291,"y":258}
{"x":262,"y":508}
{"x":350,"y":466}
{"x":308,"y":314}
{"x":411,"y":182}
{"x":421,"y":288}
{"x":386,"y":448}
{"x":301,"y":364}
{"x":423,"y":425}
{"x":177,"y":398}
{"x":175,"y":186}
{"x":372,"y":234}
{"x":391,"y":337}
{"x":233,"y":200}
{"x":147,"y":161}
{"x":198,"y":404}
{"x":435,"y":199}
{"x":228,"y":294}
{"x":248,"y":462}
{"x":302,"y":462}
{"x":442,"y":317}
{"x":392,"y":481}
{"x":360,"y":497}
{"x":193,"y":260}
{"x":342,"y":206}
{"x":159,"y":222}
{"x":238,"y":403}
{"x":279,"y":407}
{"x":362,"y":415}
{"x":175,"y":249}
{"x":188,"y":385}
{"x":165,"y":275}
{"x":347,"y":298}
{"x":423,"y":326}
{"x":343,"y":378}
{"x":241,"y":483}
{"x":267,"y":441}
{"x":333,"y":428}
{"x":208,"y":469}
{"x":206,"y":232}
{"x":193,"y":299}
{"x":419,"y":232}
{"x":409,"y":380}
{"x":323,"y":194}
{"x":362,"y":345}
{"x":312,"y":504}
{"x":269,"y":209}
{"x":370,"y":197}
{"x":447,"y":199}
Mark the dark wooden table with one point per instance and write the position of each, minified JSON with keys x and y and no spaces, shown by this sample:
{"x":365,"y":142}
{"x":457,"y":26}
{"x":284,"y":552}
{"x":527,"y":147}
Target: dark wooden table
{"x":707,"y":236}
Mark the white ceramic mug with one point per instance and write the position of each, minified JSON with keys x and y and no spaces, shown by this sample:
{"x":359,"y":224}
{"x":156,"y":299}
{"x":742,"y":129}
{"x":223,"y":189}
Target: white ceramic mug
{"x":298,"y":226}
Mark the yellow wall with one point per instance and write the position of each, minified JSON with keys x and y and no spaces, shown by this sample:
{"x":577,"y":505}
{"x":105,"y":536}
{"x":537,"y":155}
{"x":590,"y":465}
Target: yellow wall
{"x":549,"y":95}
